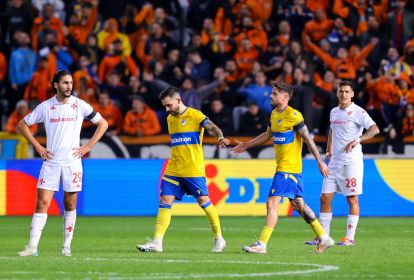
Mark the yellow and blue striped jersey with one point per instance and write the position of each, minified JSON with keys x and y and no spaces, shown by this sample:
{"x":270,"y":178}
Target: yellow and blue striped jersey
{"x":287,"y":143}
{"x":186,"y":132}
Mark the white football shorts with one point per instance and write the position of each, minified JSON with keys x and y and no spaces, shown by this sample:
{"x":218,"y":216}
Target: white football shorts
{"x":71,"y":177}
{"x":345,"y":179}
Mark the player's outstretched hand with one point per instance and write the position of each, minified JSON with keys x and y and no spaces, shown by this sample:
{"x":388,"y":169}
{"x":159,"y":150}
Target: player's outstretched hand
{"x":81,"y":151}
{"x":323,"y":169}
{"x":350,"y":146}
{"x":240,"y":147}
{"x":44,"y":153}
{"x":224,"y":143}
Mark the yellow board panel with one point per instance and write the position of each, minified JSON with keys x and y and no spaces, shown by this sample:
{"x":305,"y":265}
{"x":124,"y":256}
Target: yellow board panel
{"x":3,"y":196}
{"x":399,"y":176}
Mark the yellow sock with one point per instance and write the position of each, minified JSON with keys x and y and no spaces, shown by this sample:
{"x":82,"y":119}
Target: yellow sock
{"x":213,"y":218}
{"x":317,"y":228}
{"x":163,"y":221}
{"x":265,"y":234}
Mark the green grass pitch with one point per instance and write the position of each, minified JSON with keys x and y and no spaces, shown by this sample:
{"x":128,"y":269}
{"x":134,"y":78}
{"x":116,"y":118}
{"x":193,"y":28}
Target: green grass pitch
{"x":104,"y":248}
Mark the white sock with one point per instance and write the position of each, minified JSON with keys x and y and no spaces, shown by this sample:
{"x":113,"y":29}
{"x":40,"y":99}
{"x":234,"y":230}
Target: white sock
{"x":69,"y":220}
{"x":351,"y":226}
{"x":325,"y":220}
{"x":36,"y":228}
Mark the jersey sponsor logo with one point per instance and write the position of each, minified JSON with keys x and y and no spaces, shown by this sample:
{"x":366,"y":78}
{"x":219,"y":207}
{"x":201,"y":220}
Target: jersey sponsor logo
{"x":64,"y":119}
{"x":340,"y":122}
{"x":280,"y":138}
{"x":185,"y":138}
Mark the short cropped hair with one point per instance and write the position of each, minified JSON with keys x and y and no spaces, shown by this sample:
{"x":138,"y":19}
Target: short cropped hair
{"x":283,"y":87}
{"x":169,"y":92}
{"x":345,"y":83}
{"x":58,"y":76}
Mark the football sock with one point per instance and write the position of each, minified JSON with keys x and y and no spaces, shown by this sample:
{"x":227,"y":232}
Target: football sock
{"x":213,"y":218}
{"x":38,"y":223}
{"x":325,"y":220}
{"x":351,"y":226}
{"x":69,"y":220}
{"x":318,"y":229}
{"x":265,"y":235}
{"x":163,"y":222}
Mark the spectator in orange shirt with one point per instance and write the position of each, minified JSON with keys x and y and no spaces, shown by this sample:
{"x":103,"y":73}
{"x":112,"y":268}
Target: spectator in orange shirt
{"x":46,"y":22}
{"x":110,"y":112}
{"x":81,"y":25}
{"x":408,"y":121}
{"x":246,"y":56}
{"x":318,"y":28}
{"x":118,"y":61}
{"x":38,"y":89}
{"x":84,"y":71}
{"x":255,"y":34}
{"x":22,"y":109}
{"x":343,"y":65}
{"x":141,"y":120}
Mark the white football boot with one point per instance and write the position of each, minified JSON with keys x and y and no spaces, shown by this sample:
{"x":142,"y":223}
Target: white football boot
{"x":28,"y":252}
{"x":219,"y":245}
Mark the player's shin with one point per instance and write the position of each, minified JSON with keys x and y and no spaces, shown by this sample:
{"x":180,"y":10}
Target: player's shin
{"x":325,"y":220}
{"x":351,"y":226}
{"x":265,"y":235}
{"x":36,"y":228}
{"x":69,"y":220}
{"x":213,"y":218}
{"x":163,"y":222}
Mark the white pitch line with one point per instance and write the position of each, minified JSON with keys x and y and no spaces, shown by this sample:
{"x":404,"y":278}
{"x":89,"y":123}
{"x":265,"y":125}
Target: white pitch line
{"x":314,"y":268}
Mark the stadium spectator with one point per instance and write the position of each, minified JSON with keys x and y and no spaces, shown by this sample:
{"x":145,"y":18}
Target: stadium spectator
{"x":38,"y":89}
{"x":58,"y":7}
{"x":19,"y":18}
{"x":408,"y":121}
{"x":110,"y":36}
{"x":141,"y":120}
{"x":118,"y":61}
{"x":81,"y":24}
{"x":400,"y":24}
{"x":258,"y":92}
{"x":253,"y":121}
{"x":59,"y":57}
{"x":22,"y":109}
{"x":220,"y":115}
{"x":110,"y":112}
{"x":46,"y":24}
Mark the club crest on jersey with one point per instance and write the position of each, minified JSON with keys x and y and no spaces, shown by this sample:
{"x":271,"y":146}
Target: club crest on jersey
{"x":53,"y":107}
{"x":183,"y":122}
{"x":74,"y":106}
{"x":279,"y":122}
{"x":349,"y":113}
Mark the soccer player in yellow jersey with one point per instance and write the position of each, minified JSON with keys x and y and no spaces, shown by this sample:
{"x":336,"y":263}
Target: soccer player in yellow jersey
{"x":185,"y":171}
{"x":287,"y":128}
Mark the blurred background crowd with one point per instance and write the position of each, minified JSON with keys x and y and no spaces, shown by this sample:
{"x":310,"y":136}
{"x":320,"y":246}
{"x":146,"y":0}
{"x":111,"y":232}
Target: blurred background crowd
{"x":222,"y":54}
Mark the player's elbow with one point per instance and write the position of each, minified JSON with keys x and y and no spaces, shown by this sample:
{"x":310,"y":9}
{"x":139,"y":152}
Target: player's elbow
{"x":20,"y":126}
{"x":375,"y":130}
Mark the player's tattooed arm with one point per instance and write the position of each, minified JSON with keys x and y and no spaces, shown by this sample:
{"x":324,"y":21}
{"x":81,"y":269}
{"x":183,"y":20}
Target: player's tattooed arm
{"x":214,"y":130}
{"x":303,"y":209}
{"x":304,"y":132}
{"x":371,"y":132}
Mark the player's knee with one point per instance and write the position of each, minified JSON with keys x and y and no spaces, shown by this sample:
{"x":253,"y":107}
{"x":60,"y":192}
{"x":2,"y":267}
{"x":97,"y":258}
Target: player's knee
{"x":352,"y":200}
{"x":42,"y":205}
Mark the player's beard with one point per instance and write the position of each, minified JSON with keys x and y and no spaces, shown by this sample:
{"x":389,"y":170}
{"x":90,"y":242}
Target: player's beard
{"x":175,"y":113}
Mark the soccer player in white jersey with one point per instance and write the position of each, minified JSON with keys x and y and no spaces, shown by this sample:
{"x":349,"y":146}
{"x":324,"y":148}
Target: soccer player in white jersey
{"x":62,"y":116}
{"x":344,"y":153}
